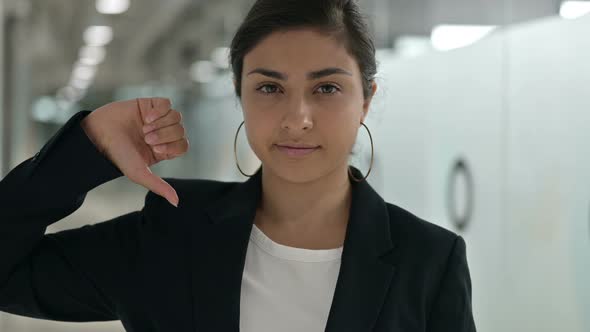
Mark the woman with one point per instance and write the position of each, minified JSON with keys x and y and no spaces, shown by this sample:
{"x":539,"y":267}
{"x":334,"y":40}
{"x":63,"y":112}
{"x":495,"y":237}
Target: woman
{"x":305,"y":244}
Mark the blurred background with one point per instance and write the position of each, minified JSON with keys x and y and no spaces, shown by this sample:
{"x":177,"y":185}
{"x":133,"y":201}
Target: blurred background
{"x":481,"y":125}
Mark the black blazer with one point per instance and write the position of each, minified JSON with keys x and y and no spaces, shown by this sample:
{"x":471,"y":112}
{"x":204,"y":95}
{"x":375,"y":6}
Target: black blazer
{"x":179,"y":269}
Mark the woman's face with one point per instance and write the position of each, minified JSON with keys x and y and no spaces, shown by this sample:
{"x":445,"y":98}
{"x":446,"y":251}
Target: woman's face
{"x":302,"y":88}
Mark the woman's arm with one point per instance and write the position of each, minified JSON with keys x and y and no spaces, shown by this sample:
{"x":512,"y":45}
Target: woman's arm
{"x":74,"y":275}
{"x":452,"y":309}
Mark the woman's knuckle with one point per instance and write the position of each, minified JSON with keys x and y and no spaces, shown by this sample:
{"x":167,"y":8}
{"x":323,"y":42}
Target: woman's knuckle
{"x":157,"y":149}
{"x":163,"y":103}
{"x":155,"y":135}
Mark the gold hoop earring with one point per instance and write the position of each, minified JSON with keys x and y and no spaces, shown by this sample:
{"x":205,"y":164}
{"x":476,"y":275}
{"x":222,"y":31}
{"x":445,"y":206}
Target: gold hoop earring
{"x":371,"y":165}
{"x":236,"y":150}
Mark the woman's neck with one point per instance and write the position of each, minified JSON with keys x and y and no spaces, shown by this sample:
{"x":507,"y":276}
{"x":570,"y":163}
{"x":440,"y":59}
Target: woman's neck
{"x":325,"y":202}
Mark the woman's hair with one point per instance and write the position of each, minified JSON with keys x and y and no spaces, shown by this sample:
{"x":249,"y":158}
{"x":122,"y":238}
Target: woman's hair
{"x":338,"y":18}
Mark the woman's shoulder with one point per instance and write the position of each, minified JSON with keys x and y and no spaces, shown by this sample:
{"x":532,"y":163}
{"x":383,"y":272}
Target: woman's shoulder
{"x":204,"y":191}
{"x":159,"y":217}
{"x":420,"y":235}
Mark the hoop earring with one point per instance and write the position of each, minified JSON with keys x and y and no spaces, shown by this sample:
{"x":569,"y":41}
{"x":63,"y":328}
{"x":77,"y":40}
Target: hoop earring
{"x":236,"y":150}
{"x":372,"y":152}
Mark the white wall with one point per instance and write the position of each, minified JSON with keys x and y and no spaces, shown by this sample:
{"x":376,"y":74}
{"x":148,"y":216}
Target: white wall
{"x":516,"y":108}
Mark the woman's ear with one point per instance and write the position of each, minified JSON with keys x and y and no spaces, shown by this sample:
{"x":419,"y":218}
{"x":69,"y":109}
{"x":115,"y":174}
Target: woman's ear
{"x":367,"y":102}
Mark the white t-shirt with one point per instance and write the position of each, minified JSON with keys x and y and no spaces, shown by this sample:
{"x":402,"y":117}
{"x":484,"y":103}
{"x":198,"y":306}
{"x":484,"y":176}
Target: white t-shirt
{"x":286,"y":288}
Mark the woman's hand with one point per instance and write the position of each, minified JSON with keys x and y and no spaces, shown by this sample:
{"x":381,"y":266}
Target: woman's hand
{"x":136,"y":134}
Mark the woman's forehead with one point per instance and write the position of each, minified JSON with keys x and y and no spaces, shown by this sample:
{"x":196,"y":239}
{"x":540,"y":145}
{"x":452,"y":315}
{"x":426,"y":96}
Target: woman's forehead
{"x":299,"y":51}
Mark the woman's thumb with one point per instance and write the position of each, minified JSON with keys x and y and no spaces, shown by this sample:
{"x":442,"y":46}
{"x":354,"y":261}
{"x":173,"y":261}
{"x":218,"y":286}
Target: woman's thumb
{"x":154,"y":183}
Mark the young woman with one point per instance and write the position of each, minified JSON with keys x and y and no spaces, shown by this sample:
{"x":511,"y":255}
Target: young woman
{"x":305,"y":244}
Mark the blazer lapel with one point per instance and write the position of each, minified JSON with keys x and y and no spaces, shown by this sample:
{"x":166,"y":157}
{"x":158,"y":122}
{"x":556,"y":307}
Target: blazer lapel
{"x":219,"y":254}
{"x":365,"y":270}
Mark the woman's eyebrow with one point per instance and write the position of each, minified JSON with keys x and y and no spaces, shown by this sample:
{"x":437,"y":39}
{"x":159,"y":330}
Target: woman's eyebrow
{"x":314,"y":75}
{"x":269,"y":73}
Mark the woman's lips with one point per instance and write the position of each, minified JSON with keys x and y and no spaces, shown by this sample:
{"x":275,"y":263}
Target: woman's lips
{"x":296,"y":152}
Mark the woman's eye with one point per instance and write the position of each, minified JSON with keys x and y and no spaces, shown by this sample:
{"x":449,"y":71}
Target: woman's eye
{"x":328,"y":89}
{"x":268,"y":89}
{"x":271,"y":89}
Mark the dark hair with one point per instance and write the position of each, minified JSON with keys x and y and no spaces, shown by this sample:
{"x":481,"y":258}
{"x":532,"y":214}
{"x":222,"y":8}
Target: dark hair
{"x":340,"y":18}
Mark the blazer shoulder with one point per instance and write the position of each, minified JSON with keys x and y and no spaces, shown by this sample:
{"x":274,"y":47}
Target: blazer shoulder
{"x":203,"y":191}
{"x":421,"y":236}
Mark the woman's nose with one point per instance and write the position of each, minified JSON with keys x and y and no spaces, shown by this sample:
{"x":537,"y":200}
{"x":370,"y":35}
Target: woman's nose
{"x":298,"y":116}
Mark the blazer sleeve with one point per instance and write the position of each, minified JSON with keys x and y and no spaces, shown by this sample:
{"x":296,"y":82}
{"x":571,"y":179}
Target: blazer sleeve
{"x":452,"y":310}
{"x":75,"y":275}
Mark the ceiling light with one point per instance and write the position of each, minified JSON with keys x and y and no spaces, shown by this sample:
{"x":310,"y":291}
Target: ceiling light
{"x":91,"y":55}
{"x":70,"y":94}
{"x":80,"y":83}
{"x":112,"y":6}
{"x":98,"y":35}
{"x":448,"y":37}
{"x":574,"y":9}
{"x":409,"y":46}
{"x":83,"y":72}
